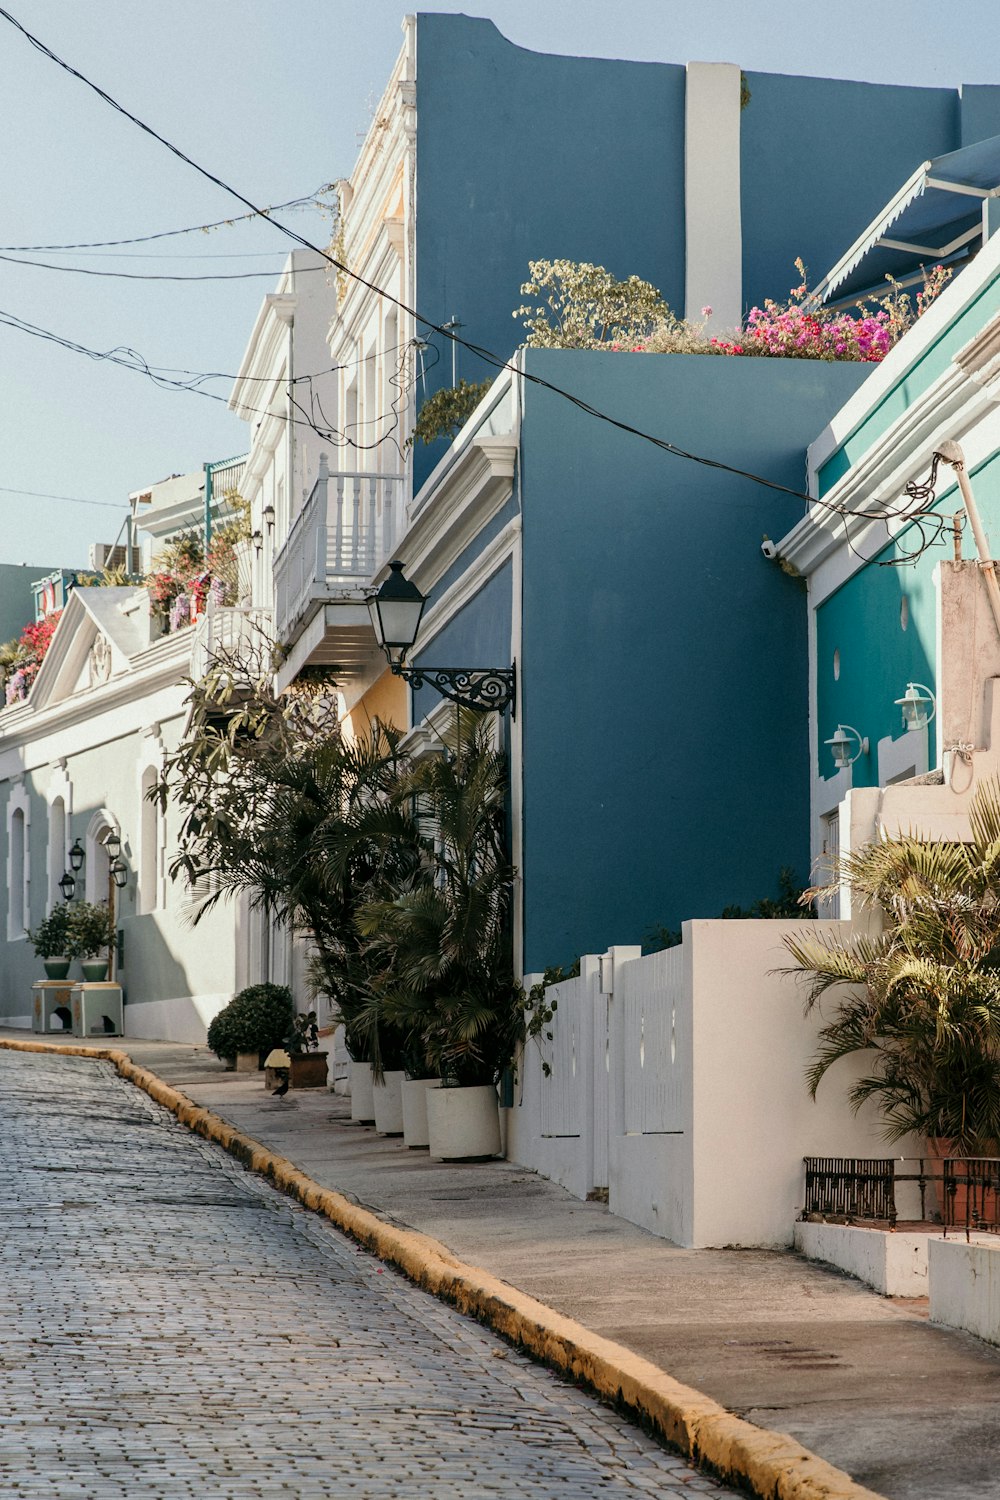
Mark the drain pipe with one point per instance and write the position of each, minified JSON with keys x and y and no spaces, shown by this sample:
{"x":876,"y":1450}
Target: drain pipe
{"x":951,"y":453}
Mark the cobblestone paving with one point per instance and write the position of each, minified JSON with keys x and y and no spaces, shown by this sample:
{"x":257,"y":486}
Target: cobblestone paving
{"x":174,"y":1327}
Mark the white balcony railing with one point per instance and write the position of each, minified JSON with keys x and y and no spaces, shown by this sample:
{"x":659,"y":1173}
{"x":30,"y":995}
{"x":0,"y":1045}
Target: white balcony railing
{"x":238,"y":636}
{"x":344,"y":532}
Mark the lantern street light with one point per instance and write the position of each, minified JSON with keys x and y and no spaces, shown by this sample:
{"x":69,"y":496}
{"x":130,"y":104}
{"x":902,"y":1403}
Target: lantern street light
{"x":76,"y":857}
{"x":113,"y":845}
{"x":268,"y":514}
{"x":396,"y":610}
{"x":918,"y":705}
{"x":67,"y":885}
{"x":840,"y":746}
{"x":119,"y":873}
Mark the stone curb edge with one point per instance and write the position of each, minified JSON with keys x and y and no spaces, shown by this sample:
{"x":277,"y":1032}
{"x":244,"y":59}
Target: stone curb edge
{"x":769,"y":1465}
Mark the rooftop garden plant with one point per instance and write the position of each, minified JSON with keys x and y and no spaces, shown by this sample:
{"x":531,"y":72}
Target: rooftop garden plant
{"x":23,"y":656}
{"x":587,"y":308}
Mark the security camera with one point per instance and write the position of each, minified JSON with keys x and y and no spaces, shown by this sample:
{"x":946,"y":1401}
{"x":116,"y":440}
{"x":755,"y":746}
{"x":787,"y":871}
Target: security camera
{"x":768,"y":548}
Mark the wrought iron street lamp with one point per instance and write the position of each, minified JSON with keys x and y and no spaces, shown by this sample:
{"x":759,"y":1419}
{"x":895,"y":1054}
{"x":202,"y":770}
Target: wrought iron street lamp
{"x":113,"y":845}
{"x":77,"y":857}
{"x":396,"y":610}
{"x":67,"y":885}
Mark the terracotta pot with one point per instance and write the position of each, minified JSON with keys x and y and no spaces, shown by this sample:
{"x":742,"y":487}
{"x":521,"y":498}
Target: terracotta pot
{"x":387,"y":1098}
{"x":463,"y":1124}
{"x":415,"y":1129}
{"x":362,"y":1103}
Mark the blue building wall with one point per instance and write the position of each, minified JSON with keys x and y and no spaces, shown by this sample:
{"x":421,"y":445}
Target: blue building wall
{"x":664,"y":667}
{"x":524,"y":155}
{"x":478,"y":636}
{"x":820,"y":156}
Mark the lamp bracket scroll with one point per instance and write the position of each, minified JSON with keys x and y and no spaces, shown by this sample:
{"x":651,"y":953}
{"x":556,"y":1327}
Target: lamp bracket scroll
{"x":479,"y":688}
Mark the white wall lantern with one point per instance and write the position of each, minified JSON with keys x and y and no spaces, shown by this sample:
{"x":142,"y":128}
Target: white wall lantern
{"x":841,"y":743}
{"x":918,"y":705}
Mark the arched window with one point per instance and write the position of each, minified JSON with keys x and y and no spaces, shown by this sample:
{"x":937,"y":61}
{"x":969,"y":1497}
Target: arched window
{"x":18,"y":862}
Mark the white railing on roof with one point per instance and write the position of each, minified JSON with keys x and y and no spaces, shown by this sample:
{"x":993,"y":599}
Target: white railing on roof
{"x":237,"y":635}
{"x":344,"y":532}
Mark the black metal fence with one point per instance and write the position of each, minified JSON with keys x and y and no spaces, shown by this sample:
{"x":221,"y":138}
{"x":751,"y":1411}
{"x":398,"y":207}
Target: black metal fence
{"x":958,"y":1192}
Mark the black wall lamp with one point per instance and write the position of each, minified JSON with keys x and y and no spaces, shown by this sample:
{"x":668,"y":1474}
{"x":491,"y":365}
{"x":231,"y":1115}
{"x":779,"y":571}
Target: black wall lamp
{"x":269,"y":518}
{"x":67,"y":885}
{"x":76,"y":857}
{"x":396,"y":609}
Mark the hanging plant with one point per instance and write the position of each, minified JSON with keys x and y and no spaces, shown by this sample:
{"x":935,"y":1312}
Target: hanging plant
{"x":447,"y":411}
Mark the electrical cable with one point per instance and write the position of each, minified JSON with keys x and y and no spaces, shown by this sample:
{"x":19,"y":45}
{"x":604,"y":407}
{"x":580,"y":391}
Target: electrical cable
{"x":488,"y":357}
{"x":158,"y":276}
{"x":165,"y":234}
{"x":70,"y":499}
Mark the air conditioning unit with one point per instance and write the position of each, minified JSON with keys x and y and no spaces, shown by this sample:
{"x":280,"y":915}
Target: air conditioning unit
{"x":103,"y":555}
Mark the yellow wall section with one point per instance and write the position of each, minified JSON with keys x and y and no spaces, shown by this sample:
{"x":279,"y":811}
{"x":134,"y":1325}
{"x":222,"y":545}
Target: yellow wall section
{"x":386,"y":699}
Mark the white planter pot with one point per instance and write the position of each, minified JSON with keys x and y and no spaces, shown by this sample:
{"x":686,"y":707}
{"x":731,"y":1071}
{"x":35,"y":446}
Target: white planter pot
{"x":463,"y":1123}
{"x":362,"y":1103}
{"x":388,"y":1101}
{"x":415,"y":1110}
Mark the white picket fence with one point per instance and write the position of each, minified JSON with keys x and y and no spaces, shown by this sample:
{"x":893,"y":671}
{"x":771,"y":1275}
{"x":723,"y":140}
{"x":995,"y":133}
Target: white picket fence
{"x":677,"y":1084}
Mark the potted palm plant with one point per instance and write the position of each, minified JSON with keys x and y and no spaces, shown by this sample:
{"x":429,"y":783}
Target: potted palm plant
{"x":50,"y":940}
{"x":445,"y":943}
{"x":921,"y":995}
{"x":91,"y":931}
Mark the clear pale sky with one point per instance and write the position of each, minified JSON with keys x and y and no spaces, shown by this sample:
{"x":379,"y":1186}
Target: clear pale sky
{"x":275,"y":96}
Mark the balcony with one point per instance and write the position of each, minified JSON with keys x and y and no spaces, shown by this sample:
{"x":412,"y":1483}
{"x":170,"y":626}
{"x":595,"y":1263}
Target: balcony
{"x":344,"y":532}
{"x":240,"y":637}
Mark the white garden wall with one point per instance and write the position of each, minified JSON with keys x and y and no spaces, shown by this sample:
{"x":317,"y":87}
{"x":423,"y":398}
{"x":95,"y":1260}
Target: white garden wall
{"x":682,"y":1074}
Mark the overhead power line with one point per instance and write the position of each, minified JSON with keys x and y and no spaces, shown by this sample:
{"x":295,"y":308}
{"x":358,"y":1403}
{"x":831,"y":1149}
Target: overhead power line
{"x":446,"y":331}
{"x":42,"y":265}
{"x":70,"y":499}
{"x":166,"y":234}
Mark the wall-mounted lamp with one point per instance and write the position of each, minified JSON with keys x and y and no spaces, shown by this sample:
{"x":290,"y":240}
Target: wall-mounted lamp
{"x":918,"y":705}
{"x":119,"y":873}
{"x":257,"y":537}
{"x":841,"y":743}
{"x":269,"y":518}
{"x":67,"y":885}
{"x":395,"y":611}
{"x":77,"y":857}
{"x":113,"y":845}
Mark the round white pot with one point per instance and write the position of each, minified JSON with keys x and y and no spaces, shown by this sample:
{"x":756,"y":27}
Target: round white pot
{"x":463,"y":1123}
{"x":388,"y":1100}
{"x":362,"y":1103}
{"x":415,"y":1110}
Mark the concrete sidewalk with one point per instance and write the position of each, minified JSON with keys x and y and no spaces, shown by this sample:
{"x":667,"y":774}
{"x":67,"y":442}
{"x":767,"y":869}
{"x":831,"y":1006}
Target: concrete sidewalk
{"x":908,"y":1410}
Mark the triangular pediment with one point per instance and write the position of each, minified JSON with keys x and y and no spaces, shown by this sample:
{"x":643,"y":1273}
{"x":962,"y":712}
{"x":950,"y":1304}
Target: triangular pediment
{"x":100,"y":631}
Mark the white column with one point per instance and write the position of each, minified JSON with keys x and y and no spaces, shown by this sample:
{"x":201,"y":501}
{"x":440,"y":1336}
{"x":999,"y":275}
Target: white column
{"x":713,"y":228}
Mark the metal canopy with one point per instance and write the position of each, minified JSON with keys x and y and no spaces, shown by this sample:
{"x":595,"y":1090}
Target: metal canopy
{"x":934,"y":218}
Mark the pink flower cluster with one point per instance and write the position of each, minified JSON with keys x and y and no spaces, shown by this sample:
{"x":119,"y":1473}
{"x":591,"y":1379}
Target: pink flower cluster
{"x":789,"y":332}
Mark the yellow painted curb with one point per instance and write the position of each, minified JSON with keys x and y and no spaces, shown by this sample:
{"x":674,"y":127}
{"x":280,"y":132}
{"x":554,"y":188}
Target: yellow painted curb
{"x":770,"y":1465}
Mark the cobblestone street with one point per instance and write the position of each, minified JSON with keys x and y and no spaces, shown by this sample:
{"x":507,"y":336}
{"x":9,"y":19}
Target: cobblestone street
{"x":174,"y":1327}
